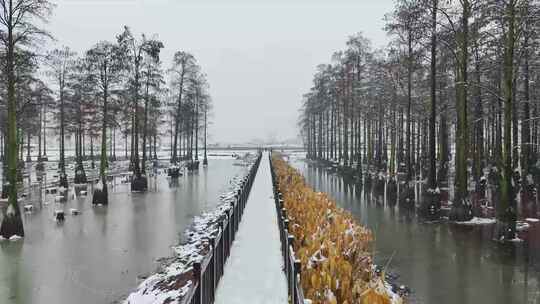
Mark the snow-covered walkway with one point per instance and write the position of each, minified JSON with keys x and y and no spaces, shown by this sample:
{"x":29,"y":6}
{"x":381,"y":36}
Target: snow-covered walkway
{"x":253,"y":273}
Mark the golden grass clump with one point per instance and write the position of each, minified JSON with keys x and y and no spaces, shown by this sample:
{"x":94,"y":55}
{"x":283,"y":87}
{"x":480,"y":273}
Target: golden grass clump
{"x":335,"y":251}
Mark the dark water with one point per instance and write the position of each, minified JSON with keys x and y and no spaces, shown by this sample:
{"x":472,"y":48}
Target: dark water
{"x":441,"y":263}
{"x":97,"y":256}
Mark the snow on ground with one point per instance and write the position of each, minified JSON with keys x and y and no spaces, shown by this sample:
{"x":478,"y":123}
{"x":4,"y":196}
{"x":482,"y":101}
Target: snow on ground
{"x":253,"y":273}
{"x":13,"y":238}
{"x":522,"y":226}
{"x":532,"y":220}
{"x":172,"y":283}
{"x":478,"y":221}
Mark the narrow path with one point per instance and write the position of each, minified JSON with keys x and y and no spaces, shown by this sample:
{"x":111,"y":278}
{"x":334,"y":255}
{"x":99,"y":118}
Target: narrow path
{"x":253,"y":273}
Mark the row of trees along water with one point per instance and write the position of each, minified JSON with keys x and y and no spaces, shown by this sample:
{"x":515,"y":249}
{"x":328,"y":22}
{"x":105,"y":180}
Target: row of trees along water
{"x":459,"y":80}
{"x":115,"y":91}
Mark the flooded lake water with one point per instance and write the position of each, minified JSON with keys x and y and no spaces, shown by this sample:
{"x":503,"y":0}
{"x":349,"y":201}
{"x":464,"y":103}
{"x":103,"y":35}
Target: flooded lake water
{"x":98,"y":256}
{"x":440,"y":262}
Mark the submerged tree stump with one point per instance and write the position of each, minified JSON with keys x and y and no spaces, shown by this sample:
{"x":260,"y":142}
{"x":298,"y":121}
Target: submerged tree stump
{"x":461,"y":211}
{"x":193,"y":166}
{"x":5,"y":191}
{"x":430,"y":208}
{"x":11,"y":224}
{"x":100,"y":197}
{"x":63,"y":181}
{"x":506,"y":226}
{"x":379,"y":183}
{"x":173,"y":172}
{"x":80,"y":175}
{"x":59,"y":215}
{"x":406,"y":195}
{"x":139,"y":184}
{"x":391,"y":189}
{"x":40,"y":166}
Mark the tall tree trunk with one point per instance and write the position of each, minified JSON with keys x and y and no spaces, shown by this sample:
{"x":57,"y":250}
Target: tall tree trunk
{"x":409,"y":105}
{"x":432,"y":173}
{"x":40,"y":129}
{"x":525,"y":125}
{"x":205,"y":160}
{"x":63,"y":175}
{"x":12,"y":222}
{"x":196,"y":126}
{"x":145,"y":129}
{"x":45,"y":130}
{"x":103,"y":159}
{"x":92,"y":152}
{"x":177,"y":120}
{"x":506,"y":213}
{"x":460,"y":211}
{"x":136,"y":164}
{"x":478,"y":121}
{"x":28,"y":157}
{"x":515,"y":127}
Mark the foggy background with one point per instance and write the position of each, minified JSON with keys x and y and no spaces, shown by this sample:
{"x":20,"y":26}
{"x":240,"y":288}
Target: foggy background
{"x":259,"y":56}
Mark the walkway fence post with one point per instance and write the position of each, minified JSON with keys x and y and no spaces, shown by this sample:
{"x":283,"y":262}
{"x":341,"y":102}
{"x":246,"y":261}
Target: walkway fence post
{"x":198,"y":291}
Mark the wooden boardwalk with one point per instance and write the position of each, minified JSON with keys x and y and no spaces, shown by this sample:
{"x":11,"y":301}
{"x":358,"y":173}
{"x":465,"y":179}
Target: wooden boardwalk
{"x":254,"y":270}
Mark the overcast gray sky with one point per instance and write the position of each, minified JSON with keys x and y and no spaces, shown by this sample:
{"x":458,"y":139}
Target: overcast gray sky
{"x":259,"y":55}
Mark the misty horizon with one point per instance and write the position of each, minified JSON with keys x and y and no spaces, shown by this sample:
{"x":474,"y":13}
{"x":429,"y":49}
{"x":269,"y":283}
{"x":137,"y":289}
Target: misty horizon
{"x":259,"y":57}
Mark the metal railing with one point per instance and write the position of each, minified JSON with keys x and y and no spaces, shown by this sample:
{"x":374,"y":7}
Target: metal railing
{"x":292,"y":266}
{"x":208,"y":272}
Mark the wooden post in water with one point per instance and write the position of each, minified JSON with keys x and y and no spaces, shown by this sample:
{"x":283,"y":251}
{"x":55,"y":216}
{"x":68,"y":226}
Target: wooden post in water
{"x":198,"y":278}
{"x":290,"y":269}
{"x":213,"y":268}
{"x":296,"y":274}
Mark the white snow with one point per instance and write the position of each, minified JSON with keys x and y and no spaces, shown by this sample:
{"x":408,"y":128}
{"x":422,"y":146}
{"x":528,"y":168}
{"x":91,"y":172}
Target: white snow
{"x":532,"y":220}
{"x":516,"y":240}
{"x":394,"y":297}
{"x":478,"y":221}
{"x":434,"y":191}
{"x":522,"y":226}
{"x":151,"y":296}
{"x":15,"y":238}
{"x":253,"y":273}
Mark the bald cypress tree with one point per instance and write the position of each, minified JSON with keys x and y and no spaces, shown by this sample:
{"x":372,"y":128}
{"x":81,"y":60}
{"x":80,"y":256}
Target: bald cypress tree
{"x":17,"y":30}
{"x":106,"y":66}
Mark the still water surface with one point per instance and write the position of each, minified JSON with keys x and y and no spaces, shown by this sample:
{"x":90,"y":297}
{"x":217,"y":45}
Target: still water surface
{"x":441,"y":263}
{"x":97,"y":256}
